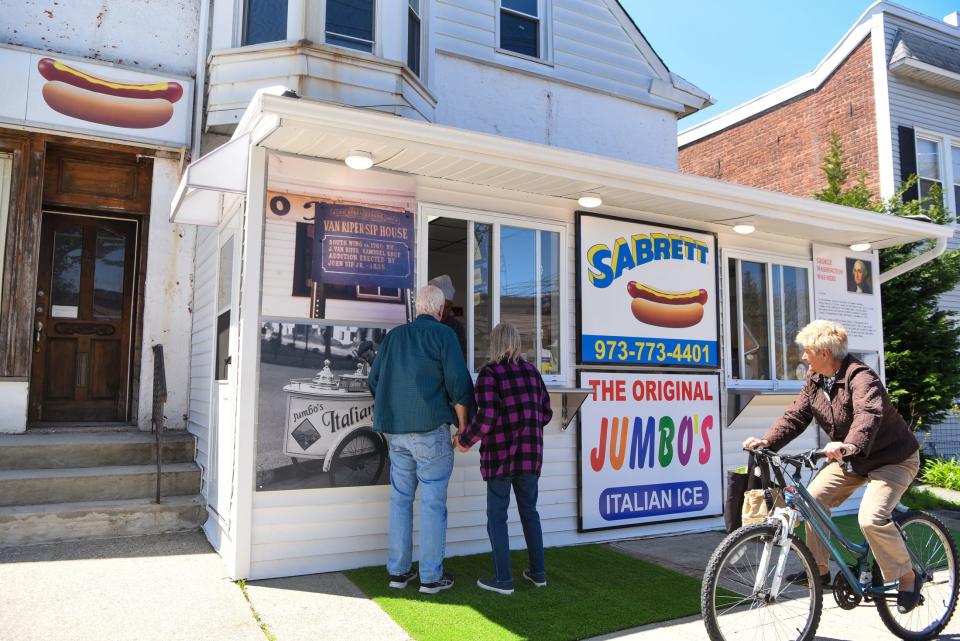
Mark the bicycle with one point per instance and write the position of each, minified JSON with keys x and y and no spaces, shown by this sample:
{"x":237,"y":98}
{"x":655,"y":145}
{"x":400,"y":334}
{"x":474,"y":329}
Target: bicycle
{"x":755,"y":585}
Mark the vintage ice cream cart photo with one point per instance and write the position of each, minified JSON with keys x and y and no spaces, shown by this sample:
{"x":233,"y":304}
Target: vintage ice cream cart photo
{"x":316,"y":412}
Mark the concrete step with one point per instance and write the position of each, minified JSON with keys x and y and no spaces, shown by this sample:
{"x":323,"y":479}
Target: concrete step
{"x":27,"y":524}
{"x":64,"y":485}
{"x":91,"y":449}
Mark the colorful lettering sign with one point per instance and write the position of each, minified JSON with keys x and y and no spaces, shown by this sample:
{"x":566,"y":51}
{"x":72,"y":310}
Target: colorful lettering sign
{"x":649,"y":449}
{"x":648,"y":294}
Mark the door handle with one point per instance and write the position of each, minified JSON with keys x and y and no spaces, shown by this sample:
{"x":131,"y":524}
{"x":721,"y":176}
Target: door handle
{"x":37,"y":335}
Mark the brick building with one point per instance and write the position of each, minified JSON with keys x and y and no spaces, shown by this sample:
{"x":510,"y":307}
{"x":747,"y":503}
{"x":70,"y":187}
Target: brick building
{"x":890,"y":88}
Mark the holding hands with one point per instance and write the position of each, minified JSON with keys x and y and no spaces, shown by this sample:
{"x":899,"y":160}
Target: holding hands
{"x":456,"y":440}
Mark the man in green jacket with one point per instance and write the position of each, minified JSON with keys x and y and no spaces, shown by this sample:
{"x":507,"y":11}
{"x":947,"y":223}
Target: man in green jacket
{"x":421,"y":387}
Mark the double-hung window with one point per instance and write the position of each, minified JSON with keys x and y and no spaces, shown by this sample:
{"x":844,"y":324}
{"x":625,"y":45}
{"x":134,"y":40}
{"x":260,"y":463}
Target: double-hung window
{"x":520,"y":27}
{"x":264,"y":21}
{"x":503,"y":270}
{"x":928,"y":165}
{"x":414,"y":26}
{"x":938,"y":163}
{"x":349,"y":23}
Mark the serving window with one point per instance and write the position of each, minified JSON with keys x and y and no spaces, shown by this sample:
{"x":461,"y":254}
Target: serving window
{"x":768,"y":301}
{"x":502,"y":270}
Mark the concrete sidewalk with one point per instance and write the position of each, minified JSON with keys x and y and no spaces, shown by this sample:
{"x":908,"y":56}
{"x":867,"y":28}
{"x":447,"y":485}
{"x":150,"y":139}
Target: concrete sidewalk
{"x":173,"y":587}
{"x":170,"y":587}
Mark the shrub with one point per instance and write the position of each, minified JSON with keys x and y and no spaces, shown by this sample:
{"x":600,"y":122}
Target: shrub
{"x":942,"y":473}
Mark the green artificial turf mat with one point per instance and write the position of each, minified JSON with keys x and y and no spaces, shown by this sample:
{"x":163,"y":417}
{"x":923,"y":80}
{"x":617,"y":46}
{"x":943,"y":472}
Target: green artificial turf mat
{"x":591,"y":590}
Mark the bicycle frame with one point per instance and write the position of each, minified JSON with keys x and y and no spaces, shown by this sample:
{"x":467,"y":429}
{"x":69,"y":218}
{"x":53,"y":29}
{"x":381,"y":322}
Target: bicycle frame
{"x":828,"y":532}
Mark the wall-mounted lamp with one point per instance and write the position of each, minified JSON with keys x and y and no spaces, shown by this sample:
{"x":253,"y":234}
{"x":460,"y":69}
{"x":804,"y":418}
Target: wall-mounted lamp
{"x":589,"y":200}
{"x":359,"y":159}
{"x":744,"y":228}
{"x":860,"y":247}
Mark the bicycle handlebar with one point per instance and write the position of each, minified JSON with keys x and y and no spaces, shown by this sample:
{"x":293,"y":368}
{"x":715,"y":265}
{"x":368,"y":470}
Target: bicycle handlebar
{"x":808,"y":458}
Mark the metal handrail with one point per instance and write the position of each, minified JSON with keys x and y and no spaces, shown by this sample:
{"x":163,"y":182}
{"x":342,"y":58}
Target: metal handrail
{"x":159,"y":398}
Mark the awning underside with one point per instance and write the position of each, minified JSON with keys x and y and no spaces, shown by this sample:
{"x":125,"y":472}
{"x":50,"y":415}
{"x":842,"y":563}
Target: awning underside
{"x":439,"y":154}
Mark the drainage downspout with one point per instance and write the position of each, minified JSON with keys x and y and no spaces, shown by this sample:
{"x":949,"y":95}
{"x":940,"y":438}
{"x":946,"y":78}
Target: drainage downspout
{"x":916,"y":261}
{"x":199,"y":97}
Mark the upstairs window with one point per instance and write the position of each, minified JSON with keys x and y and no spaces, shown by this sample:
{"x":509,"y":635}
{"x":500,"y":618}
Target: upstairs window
{"x":350,"y":24}
{"x":955,"y":166}
{"x":520,"y":27}
{"x":413,"y":36}
{"x":264,"y":21}
{"x":928,"y":165}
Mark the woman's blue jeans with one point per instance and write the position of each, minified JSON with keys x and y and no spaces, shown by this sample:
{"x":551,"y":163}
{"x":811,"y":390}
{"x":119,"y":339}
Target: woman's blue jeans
{"x":424,"y":459}
{"x":498,"y":500}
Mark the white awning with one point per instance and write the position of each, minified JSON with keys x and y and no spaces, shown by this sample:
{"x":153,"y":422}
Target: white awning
{"x":211,"y":182}
{"x":440,"y":157}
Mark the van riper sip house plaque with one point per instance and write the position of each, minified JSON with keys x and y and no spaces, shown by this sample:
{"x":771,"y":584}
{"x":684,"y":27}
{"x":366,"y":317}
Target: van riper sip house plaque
{"x":362,"y":246}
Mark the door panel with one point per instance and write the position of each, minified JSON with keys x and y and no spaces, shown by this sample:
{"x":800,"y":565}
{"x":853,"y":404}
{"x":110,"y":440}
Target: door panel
{"x":84,"y":319}
{"x":61,"y":368}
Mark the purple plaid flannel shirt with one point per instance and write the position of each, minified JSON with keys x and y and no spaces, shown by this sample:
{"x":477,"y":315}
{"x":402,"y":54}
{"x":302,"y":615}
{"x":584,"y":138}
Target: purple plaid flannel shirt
{"x":512,"y":407}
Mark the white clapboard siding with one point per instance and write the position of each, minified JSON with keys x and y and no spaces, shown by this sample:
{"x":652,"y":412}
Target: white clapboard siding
{"x":201,"y":345}
{"x":591,"y":47}
{"x":280,"y":247}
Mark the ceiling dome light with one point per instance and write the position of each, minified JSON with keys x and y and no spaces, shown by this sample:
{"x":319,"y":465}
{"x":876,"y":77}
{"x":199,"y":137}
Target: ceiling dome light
{"x":359,"y":160}
{"x":744,"y":228}
{"x":860,"y":247}
{"x":590,"y":200}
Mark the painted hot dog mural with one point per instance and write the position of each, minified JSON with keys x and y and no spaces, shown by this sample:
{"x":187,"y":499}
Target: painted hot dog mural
{"x":648,"y":293}
{"x":84,"y":96}
{"x":666,"y":309}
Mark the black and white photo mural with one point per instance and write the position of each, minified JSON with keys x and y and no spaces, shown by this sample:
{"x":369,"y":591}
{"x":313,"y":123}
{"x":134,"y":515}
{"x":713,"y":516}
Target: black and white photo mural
{"x":315,"y":411}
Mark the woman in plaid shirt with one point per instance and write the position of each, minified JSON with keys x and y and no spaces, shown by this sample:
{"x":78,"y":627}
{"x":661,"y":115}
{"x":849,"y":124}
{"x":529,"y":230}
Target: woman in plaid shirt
{"x":512,"y":408}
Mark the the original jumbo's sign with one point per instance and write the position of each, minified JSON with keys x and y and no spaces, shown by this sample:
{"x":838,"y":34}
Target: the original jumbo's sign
{"x":647,"y":293}
{"x":650,"y":449}
{"x":72,"y":94}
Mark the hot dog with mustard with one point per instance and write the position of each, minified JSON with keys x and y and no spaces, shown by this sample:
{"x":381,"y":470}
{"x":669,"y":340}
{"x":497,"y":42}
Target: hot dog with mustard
{"x":666,"y":309}
{"x":87,"y":97}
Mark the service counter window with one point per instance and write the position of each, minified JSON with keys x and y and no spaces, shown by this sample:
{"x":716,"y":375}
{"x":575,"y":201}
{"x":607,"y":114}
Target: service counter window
{"x":768,"y":302}
{"x":500,"y":270}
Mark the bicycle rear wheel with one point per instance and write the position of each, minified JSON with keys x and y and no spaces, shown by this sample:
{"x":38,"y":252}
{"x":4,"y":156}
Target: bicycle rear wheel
{"x":933,"y":548}
{"x":736,"y":602}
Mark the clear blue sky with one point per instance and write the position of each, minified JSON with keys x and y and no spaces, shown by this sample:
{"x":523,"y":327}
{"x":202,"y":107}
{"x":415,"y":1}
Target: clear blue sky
{"x":738,"y":49}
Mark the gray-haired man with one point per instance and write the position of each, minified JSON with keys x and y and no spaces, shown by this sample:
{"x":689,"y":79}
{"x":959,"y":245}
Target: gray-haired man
{"x":420,"y":386}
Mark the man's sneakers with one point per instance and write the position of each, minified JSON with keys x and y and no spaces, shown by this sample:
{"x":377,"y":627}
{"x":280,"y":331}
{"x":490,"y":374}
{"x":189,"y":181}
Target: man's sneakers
{"x":496,"y":586}
{"x":400,"y":581}
{"x":539,"y":580}
{"x":443,"y":583}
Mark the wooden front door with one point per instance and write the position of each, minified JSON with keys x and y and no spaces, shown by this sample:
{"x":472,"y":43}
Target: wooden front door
{"x":84,"y":319}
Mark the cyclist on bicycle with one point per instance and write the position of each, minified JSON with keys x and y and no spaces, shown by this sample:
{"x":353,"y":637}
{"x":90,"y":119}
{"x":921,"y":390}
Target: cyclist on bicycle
{"x":850,"y":403}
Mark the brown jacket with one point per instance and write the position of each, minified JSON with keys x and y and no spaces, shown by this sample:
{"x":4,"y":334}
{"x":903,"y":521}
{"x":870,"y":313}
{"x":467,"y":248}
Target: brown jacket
{"x":858,"y":412}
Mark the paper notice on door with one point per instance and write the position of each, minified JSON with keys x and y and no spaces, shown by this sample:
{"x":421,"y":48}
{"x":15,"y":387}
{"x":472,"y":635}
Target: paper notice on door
{"x":63,"y":311}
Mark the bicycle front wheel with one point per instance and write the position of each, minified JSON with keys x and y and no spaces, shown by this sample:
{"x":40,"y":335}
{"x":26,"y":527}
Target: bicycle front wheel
{"x":935,"y":553}
{"x":737,"y":599}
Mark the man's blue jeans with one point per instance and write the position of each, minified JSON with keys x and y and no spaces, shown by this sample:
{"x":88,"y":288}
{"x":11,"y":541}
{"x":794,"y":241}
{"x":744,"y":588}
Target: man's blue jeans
{"x":425,"y":458}
{"x":498,"y":500}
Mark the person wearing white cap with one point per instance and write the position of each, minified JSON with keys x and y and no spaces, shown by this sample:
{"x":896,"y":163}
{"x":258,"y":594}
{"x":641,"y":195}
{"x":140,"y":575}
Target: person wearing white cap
{"x":445,"y":285}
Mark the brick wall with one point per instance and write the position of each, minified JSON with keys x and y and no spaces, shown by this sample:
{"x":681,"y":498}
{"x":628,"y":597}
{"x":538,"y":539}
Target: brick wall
{"x":782,"y":149}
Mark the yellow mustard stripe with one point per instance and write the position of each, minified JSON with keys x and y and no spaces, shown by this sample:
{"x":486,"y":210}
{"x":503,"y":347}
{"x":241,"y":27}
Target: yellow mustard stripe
{"x":655,"y":292}
{"x":159,"y":86}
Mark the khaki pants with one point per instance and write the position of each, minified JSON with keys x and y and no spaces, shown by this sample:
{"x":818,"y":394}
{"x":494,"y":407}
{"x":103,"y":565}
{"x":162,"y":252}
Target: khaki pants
{"x":885,"y":485}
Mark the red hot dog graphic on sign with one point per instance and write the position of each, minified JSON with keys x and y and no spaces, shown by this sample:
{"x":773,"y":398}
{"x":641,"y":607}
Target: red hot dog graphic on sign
{"x":81,"y":95}
{"x":666,"y":309}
